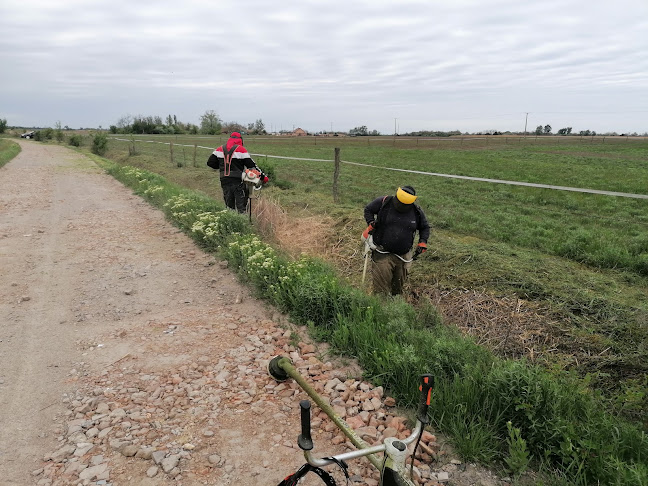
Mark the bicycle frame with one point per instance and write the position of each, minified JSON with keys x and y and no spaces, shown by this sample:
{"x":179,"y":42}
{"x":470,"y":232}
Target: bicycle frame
{"x":392,"y":468}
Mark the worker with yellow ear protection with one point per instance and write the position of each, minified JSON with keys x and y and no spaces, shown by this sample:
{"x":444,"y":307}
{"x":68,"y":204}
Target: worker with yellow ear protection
{"x":393,"y":222}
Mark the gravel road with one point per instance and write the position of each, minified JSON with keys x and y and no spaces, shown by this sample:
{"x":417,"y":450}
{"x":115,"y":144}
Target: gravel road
{"x":129,"y":356}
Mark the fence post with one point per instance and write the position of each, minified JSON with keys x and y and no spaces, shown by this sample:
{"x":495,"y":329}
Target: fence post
{"x":336,"y":175}
{"x":171,"y":151}
{"x":194,"y":154}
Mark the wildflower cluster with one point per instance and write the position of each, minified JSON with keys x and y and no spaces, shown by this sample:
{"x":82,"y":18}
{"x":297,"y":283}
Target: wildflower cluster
{"x":134,"y":176}
{"x":152,"y":190}
{"x":182,"y":210}
{"x":209,"y":227}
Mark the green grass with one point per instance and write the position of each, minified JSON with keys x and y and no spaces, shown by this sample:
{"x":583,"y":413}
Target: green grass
{"x":8,"y":150}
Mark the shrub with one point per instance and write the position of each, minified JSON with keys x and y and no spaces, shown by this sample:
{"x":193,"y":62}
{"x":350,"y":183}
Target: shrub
{"x":44,"y":134}
{"x":75,"y":140}
{"x":99,"y":143}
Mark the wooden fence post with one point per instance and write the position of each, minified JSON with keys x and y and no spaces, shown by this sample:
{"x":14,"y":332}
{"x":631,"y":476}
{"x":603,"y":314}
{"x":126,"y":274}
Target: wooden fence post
{"x":194,"y":154}
{"x":171,"y":151}
{"x":336,"y":175}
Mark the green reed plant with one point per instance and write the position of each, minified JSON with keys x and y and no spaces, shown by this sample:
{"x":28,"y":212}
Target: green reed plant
{"x":518,"y":454}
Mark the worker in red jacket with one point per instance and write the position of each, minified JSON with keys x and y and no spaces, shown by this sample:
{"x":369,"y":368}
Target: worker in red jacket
{"x":393,"y":222}
{"x":232,"y":159}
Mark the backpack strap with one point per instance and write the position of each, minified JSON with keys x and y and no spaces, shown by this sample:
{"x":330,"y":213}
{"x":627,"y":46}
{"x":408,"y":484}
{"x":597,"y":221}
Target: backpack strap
{"x":227,"y":155}
{"x":386,"y":200}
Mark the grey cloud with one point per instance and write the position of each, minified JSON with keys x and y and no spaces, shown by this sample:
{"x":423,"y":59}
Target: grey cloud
{"x":317,"y":58}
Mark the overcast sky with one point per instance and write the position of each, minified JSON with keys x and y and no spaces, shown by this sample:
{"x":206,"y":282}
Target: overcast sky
{"x":322,"y":65}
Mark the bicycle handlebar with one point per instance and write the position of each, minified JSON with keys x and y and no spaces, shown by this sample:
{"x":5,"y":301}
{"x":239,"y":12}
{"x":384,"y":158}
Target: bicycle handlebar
{"x":304,"y":440}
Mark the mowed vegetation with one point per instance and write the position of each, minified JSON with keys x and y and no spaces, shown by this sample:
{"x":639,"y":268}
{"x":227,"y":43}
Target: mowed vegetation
{"x":558,"y":277}
{"x":573,"y":318}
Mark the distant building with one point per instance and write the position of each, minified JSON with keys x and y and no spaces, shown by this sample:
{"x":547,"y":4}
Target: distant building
{"x":299,"y":132}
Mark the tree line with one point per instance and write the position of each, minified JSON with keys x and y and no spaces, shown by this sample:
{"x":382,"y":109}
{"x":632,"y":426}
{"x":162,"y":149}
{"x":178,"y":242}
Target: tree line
{"x":210,"y":124}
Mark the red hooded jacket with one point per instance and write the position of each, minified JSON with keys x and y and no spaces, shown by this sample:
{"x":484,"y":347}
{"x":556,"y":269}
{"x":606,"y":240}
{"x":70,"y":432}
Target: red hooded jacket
{"x":232,"y":159}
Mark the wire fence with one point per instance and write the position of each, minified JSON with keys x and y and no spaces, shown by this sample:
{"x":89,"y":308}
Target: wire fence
{"x":194,"y":155}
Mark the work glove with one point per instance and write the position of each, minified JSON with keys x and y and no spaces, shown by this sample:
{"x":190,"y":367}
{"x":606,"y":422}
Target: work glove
{"x":369,"y":230}
{"x":420,"y":249}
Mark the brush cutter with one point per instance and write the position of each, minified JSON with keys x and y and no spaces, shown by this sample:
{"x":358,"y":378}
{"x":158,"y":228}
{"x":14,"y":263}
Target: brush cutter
{"x":369,"y":246}
{"x":253,"y":182}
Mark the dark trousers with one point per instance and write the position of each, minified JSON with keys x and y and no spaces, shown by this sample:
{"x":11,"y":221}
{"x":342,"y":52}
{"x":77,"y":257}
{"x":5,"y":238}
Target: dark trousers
{"x":389,"y":272}
{"x":235,"y":194}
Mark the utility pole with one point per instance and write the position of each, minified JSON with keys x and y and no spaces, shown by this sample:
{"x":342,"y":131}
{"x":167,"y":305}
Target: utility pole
{"x":395,"y":129}
{"x":525,"y":123}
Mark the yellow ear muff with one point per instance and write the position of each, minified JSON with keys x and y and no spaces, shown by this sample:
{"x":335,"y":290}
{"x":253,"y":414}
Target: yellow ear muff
{"x":405,"y":197}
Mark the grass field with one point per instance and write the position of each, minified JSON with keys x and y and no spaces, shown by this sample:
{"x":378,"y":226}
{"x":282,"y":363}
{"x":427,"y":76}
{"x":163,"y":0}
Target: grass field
{"x":559,"y":278}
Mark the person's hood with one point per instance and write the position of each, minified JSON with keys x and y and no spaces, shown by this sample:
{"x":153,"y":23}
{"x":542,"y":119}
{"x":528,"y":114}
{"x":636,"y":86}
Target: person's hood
{"x":235,"y":139}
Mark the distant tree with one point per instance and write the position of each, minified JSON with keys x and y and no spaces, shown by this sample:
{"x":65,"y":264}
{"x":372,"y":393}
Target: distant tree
{"x":565,"y":131}
{"x":229,"y":127}
{"x":58,"y":132}
{"x":538,"y":130}
{"x":3,"y":125}
{"x":259,"y":127}
{"x":113,"y":129}
{"x":359,"y":131}
{"x":124,"y":124}
{"x":210,"y":123}
{"x":547,"y":129}
{"x":256,"y":128}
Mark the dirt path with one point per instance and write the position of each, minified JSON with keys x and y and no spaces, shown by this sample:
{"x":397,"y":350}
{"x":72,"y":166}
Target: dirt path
{"x":129,"y":356}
